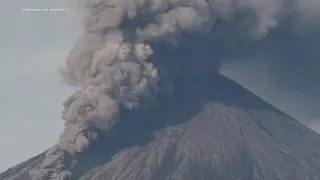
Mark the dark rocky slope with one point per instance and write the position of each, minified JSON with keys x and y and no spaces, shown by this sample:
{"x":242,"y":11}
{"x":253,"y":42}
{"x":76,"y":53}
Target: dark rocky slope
{"x":218,"y":131}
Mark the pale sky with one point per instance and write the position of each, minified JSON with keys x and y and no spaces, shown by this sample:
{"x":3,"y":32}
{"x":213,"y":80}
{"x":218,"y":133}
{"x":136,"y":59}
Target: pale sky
{"x":32,"y":46}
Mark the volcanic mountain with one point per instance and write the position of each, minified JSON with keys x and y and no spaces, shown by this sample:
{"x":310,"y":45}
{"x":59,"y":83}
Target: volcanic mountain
{"x":214,"y":130}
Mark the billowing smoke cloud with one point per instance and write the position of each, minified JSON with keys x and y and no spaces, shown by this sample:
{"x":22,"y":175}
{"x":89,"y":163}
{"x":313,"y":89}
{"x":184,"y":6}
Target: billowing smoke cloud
{"x":134,"y":51}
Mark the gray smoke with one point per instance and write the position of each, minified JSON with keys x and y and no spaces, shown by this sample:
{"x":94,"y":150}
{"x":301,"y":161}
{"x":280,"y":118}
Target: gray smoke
{"x":134,"y":51}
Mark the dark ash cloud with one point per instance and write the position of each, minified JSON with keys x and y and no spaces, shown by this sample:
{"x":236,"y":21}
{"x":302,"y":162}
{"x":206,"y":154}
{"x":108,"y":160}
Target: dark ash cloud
{"x":134,"y":51}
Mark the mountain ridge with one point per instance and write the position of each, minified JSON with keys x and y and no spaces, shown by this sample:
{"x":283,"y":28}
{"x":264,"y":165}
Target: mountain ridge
{"x":219,"y":130}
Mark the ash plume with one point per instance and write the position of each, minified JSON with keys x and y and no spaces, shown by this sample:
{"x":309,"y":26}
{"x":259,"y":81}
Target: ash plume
{"x":135,"y":51}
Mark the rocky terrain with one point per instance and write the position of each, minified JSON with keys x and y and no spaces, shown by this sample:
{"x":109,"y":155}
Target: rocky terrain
{"x":217,"y":130}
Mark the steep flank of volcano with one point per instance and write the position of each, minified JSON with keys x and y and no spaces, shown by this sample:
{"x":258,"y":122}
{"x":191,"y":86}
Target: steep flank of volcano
{"x":218,"y":130}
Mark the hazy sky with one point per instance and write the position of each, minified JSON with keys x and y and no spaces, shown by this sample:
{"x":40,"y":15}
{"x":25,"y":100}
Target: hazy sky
{"x":298,"y":104}
{"x":32,"y":46}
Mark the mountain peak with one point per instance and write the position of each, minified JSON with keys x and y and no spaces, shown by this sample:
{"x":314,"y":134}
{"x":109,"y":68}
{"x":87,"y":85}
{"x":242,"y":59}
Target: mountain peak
{"x":215,"y":130}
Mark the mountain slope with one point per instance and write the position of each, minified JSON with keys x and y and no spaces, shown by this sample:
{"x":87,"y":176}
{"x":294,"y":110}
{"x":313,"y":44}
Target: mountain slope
{"x":217,"y":131}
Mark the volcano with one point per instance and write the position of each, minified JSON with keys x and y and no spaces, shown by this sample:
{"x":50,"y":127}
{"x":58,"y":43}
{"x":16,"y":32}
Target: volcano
{"x":214,"y":130}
